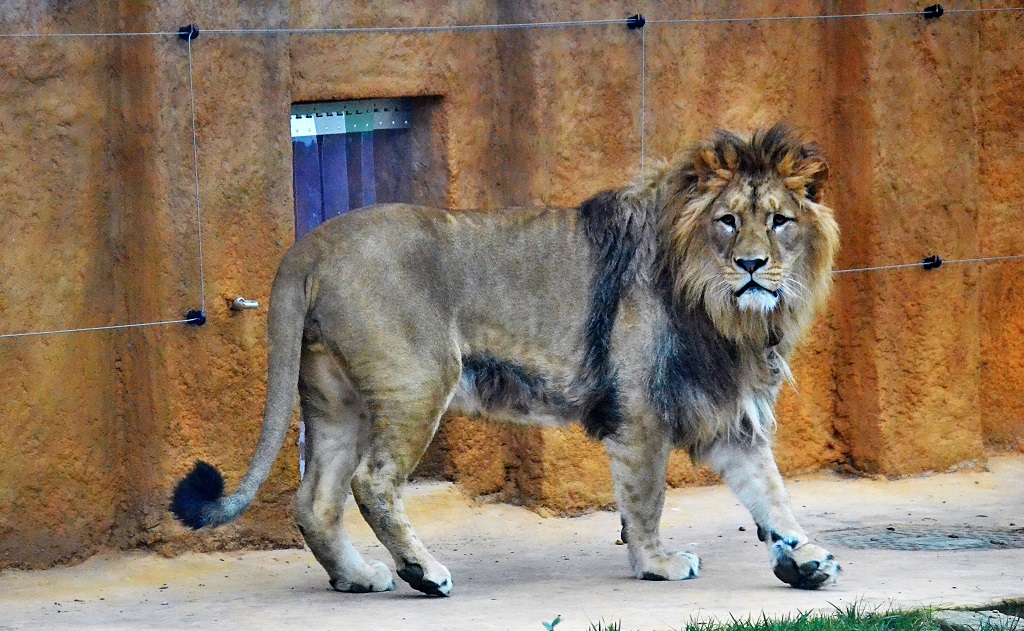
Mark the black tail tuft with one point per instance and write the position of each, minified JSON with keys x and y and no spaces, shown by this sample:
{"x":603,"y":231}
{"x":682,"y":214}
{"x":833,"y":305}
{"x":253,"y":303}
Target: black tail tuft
{"x":203,"y":486}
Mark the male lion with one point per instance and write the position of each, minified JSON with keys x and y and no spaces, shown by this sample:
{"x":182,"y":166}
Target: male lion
{"x":659,"y":315}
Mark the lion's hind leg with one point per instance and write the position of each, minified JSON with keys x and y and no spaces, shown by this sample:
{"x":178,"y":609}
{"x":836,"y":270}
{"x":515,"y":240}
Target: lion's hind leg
{"x":336,"y":434}
{"x":404,"y":426}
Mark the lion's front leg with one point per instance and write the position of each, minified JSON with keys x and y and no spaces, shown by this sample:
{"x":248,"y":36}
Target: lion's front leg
{"x":751,"y":473}
{"x":639,"y":459}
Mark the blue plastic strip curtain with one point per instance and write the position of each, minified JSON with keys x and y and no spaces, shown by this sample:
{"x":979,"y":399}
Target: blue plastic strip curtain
{"x":307,"y":184}
{"x":336,"y":173}
{"x":362,"y":184}
{"x":334,"y":170}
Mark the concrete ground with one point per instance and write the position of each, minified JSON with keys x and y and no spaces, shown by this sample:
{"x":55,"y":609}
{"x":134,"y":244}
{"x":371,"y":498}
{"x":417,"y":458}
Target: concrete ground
{"x":513,"y":569}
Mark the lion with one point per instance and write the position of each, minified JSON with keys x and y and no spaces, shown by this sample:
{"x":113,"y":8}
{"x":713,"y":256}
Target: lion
{"x":660,"y":315}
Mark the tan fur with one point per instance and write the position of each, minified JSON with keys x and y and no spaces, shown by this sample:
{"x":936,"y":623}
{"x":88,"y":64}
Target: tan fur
{"x":396,"y":299}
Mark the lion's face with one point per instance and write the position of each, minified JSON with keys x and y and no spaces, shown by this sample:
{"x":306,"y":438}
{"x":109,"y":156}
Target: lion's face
{"x":756,"y":231}
{"x":750,"y":239}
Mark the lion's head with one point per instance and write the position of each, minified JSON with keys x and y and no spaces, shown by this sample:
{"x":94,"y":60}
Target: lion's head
{"x":747,"y":237}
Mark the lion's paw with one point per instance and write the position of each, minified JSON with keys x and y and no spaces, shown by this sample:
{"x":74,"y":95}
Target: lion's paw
{"x":804,"y":567}
{"x":437,"y":582}
{"x":375,"y":577}
{"x":674,"y":566}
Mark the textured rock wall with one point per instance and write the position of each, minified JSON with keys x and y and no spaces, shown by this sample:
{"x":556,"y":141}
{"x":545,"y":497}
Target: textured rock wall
{"x":908,"y":371}
{"x":1000,"y":184}
{"x":66,"y":462}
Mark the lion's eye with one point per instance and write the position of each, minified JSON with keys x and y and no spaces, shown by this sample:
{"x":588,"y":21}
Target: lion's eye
{"x":780,"y":220}
{"x":728,"y":220}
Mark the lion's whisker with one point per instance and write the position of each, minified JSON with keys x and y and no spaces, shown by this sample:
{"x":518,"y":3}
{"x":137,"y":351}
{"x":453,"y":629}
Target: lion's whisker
{"x":797,"y":289}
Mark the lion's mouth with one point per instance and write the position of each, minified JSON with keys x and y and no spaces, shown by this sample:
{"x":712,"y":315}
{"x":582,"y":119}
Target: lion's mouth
{"x":754,"y":285}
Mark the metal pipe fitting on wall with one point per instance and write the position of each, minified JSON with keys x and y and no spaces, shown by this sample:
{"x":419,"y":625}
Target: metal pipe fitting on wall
{"x":241,"y":303}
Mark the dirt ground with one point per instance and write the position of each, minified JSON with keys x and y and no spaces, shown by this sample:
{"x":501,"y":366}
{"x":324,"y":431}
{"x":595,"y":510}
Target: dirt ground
{"x":513,"y":569}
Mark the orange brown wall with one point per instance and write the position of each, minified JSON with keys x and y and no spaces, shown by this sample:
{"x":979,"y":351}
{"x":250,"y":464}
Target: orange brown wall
{"x":908,"y":371}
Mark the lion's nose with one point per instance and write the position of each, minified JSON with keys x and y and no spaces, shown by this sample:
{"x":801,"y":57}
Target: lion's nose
{"x":751,"y":265}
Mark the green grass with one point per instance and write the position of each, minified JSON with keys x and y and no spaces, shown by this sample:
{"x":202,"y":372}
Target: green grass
{"x":853,"y":618}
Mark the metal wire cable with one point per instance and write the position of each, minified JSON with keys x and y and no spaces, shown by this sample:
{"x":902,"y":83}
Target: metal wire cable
{"x":581,"y":23}
{"x":879,"y":268}
{"x":643,"y":96}
{"x":520,"y":25}
{"x":416,"y":29}
{"x":93,"y":328}
{"x":987,"y":259}
{"x":83,"y":35}
{"x":882,"y":268}
{"x":335,"y":31}
{"x":195,"y":164}
{"x":840,"y":16}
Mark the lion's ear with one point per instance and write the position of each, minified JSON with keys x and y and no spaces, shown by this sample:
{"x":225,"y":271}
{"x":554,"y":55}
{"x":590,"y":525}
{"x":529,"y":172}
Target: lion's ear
{"x":712,"y":170}
{"x":806,"y":176}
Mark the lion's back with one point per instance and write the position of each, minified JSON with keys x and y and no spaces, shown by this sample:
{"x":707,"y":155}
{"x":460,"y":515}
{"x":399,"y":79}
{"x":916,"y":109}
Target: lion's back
{"x":513,"y":280}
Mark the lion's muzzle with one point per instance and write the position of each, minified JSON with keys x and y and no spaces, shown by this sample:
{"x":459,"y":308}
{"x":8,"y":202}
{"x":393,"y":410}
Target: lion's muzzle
{"x":754,"y":285}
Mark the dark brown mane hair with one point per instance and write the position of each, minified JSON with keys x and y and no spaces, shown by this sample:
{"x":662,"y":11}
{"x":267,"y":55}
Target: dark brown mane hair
{"x":773,"y":152}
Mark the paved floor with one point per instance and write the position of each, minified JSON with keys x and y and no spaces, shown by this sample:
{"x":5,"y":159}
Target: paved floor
{"x":515,"y":570}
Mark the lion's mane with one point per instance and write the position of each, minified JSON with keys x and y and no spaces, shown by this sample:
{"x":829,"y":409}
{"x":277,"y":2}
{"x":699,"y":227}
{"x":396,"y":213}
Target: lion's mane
{"x":718,"y":369}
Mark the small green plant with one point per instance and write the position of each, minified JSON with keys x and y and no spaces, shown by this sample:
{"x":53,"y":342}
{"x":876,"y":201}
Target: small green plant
{"x":853,"y":618}
{"x":550,"y":626}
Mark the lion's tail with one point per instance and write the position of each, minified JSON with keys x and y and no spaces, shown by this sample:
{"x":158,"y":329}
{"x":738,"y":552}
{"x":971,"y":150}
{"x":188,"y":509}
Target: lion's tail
{"x":197,"y":500}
